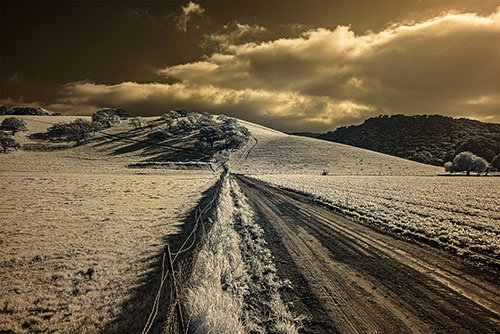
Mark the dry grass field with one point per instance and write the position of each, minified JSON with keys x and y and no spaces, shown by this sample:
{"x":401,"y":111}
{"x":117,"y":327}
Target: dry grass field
{"x":81,"y":235}
{"x":457,"y":213}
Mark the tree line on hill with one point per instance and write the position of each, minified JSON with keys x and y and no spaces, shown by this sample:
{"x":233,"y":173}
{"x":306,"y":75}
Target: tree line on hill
{"x":26,"y":111}
{"x":211,"y":135}
{"x":76,"y":131}
{"x":431,"y":139}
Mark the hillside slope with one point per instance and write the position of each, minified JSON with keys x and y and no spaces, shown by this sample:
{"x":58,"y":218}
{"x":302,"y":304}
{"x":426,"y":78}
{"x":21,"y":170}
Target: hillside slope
{"x":279,"y":153}
{"x":431,"y":139}
{"x":82,"y":236}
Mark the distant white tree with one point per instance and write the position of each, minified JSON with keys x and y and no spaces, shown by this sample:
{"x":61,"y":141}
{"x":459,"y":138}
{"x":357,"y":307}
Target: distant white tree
{"x":466,"y":162}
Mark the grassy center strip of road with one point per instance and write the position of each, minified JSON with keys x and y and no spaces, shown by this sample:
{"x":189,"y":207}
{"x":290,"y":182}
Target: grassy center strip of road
{"x":234,"y":287}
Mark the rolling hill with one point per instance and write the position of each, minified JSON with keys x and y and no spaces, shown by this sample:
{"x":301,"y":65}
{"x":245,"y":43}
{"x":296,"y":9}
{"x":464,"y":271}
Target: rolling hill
{"x":430,"y":139}
{"x":279,"y":153}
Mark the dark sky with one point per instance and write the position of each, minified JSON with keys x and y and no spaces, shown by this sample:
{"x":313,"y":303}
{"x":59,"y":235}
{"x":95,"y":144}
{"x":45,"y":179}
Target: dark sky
{"x":291,"y":65}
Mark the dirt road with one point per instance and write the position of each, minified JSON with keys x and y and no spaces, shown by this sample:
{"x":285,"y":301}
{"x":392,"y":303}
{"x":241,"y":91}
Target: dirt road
{"x":348,"y":278}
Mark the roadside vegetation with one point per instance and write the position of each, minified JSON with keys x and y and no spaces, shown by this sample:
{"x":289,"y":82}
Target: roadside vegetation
{"x":234,"y":287}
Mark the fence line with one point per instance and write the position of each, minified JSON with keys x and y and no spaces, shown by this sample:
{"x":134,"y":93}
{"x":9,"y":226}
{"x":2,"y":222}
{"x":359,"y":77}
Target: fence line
{"x":165,"y":273}
{"x":183,"y":328}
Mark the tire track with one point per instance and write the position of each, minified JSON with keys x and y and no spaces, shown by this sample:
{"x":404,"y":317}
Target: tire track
{"x":369,"y":282}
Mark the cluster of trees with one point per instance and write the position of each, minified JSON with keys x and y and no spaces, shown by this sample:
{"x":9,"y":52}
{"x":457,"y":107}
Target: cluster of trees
{"x":11,"y":126}
{"x":468,"y":162}
{"x":78,"y":130}
{"x":105,"y":119}
{"x":227,"y":134}
{"x":210,"y":134}
{"x":6,"y":110}
{"x":431,"y":139}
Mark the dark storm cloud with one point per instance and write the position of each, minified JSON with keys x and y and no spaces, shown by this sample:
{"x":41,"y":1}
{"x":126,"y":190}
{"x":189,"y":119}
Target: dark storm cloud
{"x":325,"y":78}
{"x":290,"y":65}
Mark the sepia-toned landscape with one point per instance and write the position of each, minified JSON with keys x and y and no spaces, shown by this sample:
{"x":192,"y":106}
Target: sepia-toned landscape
{"x":260,"y":167}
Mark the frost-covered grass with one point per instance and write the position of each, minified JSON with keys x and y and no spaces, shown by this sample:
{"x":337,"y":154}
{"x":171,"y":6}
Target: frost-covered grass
{"x":73,"y":247}
{"x":218,"y":283}
{"x":80,"y":234}
{"x":234,"y":287}
{"x":459,"y":213}
{"x":405,"y":197}
{"x":278,"y":153}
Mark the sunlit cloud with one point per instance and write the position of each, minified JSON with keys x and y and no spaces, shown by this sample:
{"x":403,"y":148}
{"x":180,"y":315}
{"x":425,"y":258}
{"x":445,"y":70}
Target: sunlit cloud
{"x":234,"y":33}
{"x":272,"y":107}
{"x":329,"y":77}
{"x":188,"y":11}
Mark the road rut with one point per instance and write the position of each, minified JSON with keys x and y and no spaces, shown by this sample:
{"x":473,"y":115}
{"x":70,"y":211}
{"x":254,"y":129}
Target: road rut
{"x":349,"y":278}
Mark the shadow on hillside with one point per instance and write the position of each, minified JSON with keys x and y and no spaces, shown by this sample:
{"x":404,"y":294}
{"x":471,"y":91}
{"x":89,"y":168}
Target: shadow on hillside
{"x":180,"y":147}
{"x":137,"y":308}
{"x":38,"y":136}
{"x":111,"y":141}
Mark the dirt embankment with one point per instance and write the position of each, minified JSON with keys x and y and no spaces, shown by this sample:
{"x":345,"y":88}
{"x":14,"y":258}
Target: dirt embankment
{"x":348,"y":278}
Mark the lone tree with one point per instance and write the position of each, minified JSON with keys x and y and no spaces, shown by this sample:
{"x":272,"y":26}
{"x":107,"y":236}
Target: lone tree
{"x":466,"y":162}
{"x":13,"y":124}
{"x":79,"y":130}
{"x":7,"y":143}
